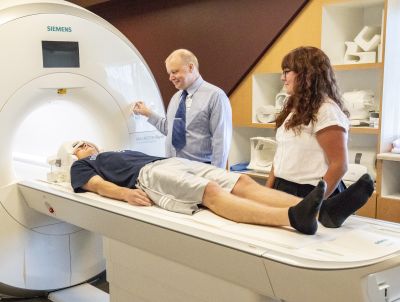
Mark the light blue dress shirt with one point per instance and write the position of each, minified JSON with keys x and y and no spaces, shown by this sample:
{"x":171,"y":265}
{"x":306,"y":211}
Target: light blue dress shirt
{"x":208,"y":124}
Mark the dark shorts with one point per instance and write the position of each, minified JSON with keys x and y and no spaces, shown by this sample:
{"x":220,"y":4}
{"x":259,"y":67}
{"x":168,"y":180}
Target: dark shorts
{"x":301,"y":190}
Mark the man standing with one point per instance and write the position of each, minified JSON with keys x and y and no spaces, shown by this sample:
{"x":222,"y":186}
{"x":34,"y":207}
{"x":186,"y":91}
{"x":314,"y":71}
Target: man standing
{"x":198,"y":125}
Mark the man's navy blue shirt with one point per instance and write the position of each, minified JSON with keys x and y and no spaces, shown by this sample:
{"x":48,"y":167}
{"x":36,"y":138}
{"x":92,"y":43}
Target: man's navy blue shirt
{"x":119,"y":167}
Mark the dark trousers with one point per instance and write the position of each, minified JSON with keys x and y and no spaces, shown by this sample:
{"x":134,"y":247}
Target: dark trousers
{"x":301,"y":190}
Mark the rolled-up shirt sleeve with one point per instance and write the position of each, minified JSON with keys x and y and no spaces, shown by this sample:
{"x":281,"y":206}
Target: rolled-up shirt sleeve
{"x":160,"y":122}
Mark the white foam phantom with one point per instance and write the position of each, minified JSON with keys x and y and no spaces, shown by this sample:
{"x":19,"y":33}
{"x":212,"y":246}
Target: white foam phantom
{"x":368,"y":38}
{"x":359,"y":103}
{"x":265,"y":114}
{"x":354,"y":55}
{"x":261,"y":154}
{"x":365,"y":47}
{"x":280,"y":100}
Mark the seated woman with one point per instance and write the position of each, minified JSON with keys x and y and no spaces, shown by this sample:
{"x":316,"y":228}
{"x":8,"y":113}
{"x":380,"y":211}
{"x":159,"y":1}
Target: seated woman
{"x":180,"y":185}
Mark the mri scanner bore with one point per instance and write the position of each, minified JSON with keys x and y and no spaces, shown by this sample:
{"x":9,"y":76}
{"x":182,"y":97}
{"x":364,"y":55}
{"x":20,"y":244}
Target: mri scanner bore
{"x":64,"y":72}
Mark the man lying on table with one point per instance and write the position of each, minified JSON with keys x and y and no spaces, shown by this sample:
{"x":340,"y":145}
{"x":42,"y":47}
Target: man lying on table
{"x":181,"y":185}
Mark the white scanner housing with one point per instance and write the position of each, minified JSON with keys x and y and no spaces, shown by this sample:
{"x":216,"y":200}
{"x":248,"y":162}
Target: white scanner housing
{"x":66,"y":74}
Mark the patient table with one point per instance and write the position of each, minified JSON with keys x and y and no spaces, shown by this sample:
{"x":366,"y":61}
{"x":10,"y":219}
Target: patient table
{"x":156,"y":255}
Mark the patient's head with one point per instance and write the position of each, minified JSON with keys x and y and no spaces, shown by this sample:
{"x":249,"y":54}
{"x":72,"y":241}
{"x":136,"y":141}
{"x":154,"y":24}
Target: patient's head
{"x":82,"y":149}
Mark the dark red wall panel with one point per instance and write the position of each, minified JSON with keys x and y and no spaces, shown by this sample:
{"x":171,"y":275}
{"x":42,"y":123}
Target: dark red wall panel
{"x":227,"y":36}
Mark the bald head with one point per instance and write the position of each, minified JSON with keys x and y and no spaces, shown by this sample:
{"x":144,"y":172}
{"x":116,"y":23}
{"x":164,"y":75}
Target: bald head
{"x":183,"y":68}
{"x":185,"y":56}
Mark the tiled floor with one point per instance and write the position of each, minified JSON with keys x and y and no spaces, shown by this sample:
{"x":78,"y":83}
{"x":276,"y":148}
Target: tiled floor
{"x":100,"y":283}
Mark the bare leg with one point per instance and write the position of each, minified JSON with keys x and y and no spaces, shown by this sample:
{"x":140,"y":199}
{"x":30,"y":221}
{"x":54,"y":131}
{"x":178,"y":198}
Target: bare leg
{"x":243,"y":210}
{"x":302,"y":216}
{"x":246,"y":187}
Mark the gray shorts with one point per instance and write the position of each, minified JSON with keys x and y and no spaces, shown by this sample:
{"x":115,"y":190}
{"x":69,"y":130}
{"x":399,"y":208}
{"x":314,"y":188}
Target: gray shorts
{"x":177,"y":184}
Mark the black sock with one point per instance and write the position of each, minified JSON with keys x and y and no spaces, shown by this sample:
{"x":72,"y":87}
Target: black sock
{"x":303,"y":216}
{"x":335,"y":210}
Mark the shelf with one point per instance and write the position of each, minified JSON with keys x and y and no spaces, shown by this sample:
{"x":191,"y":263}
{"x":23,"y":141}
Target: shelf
{"x":393,"y":197}
{"x":256,"y":125}
{"x":364,"y":130}
{"x":260,"y":125}
{"x":358,"y":66}
{"x":353,"y":77}
{"x":389,"y":156}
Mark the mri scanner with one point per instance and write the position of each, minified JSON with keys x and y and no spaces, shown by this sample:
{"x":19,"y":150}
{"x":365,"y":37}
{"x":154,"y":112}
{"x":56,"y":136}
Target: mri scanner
{"x":67,"y":74}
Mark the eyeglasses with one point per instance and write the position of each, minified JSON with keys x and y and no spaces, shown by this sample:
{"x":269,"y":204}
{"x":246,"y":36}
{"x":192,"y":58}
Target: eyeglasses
{"x":285,"y":72}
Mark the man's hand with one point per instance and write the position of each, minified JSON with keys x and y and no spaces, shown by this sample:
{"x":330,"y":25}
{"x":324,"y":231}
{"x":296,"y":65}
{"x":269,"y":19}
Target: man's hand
{"x":140,"y":108}
{"x":136,"y":197}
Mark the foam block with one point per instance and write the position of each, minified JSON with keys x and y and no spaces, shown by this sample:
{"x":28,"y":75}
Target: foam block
{"x":368,"y":38}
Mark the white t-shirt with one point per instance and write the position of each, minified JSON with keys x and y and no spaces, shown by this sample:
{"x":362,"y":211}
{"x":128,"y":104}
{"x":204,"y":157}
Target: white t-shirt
{"x":299,"y":157}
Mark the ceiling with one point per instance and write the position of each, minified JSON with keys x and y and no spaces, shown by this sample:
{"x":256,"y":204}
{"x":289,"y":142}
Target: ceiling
{"x":87,"y":3}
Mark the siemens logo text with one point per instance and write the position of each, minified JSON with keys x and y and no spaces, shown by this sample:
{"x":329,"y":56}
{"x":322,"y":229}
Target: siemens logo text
{"x":59,"y":28}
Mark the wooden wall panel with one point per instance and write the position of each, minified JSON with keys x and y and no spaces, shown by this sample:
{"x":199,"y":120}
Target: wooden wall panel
{"x":388,"y":209}
{"x":369,"y":209}
{"x":304,"y":30}
{"x":228,"y":36}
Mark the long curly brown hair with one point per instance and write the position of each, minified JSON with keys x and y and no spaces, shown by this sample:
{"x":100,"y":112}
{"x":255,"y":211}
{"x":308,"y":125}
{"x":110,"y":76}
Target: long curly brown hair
{"x":315,"y":80}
